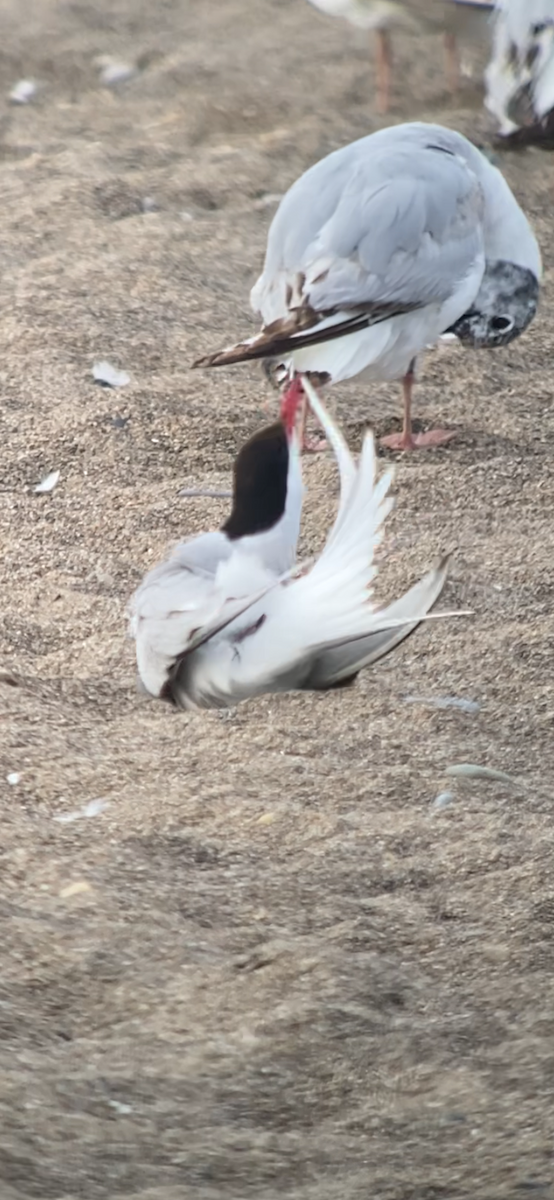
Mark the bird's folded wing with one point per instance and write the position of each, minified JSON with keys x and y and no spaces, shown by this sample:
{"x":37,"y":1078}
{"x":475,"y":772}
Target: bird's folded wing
{"x":405,"y":227}
{"x":167,"y":611}
{"x":356,"y":243}
{"x":176,"y":609}
{"x":302,"y":328}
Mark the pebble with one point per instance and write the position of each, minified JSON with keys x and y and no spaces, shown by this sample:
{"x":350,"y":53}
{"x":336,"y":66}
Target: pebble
{"x":443,"y":800}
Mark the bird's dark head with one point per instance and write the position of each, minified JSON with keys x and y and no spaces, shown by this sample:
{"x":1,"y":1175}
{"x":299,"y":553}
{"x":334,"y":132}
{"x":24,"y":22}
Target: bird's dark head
{"x":259,"y":483}
{"x":503,"y":308}
{"x":262,"y":473}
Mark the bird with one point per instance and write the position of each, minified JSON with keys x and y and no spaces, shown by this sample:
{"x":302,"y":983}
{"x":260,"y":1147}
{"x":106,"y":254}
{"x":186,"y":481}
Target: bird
{"x":232,"y":615}
{"x":382,"y":247}
{"x":452,"y":18}
{"x":519,"y":79}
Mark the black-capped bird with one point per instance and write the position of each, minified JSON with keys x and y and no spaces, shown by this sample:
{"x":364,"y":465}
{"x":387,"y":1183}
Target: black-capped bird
{"x":230,"y":614}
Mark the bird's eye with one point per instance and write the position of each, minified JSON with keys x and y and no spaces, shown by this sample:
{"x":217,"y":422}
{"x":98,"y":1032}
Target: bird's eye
{"x":501,"y":324}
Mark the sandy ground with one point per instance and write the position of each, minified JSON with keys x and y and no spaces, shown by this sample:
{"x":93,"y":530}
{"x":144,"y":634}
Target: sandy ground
{"x":269,"y":968}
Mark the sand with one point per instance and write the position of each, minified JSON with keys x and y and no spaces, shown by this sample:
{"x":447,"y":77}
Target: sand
{"x":267,"y":967}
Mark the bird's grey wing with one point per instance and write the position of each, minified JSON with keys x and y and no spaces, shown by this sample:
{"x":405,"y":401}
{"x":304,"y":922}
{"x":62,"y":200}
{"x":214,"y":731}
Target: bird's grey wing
{"x":341,"y":664}
{"x":181,"y":605}
{"x":176,"y":600}
{"x":362,"y":238}
{"x":404,"y":226}
{"x":166,"y":612}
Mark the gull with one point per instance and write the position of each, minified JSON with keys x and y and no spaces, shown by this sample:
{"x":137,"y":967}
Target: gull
{"x":519,"y":79}
{"x":452,"y":18}
{"x":381,"y":248}
{"x":231,"y":615}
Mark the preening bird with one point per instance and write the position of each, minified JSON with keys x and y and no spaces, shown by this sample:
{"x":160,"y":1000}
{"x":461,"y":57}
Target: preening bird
{"x":519,"y":79}
{"x":453,"y":19}
{"x":379,"y":249}
{"x":229,"y":615}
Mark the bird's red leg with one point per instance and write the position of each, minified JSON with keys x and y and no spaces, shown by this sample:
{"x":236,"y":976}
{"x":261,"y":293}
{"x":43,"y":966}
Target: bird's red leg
{"x":384,"y":63}
{"x":408,"y":440}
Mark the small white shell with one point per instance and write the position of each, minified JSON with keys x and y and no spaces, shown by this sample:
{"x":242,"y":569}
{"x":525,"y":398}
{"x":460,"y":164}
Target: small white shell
{"x":48,"y":483}
{"x":115,"y":72}
{"x":92,"y":809}
{"x":23,"y":91}
{"x":109,"y":376}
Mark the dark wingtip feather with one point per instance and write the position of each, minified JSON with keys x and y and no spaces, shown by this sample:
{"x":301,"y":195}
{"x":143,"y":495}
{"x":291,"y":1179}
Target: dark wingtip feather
{"x":221,"y":358}
{"x":301,"y":329}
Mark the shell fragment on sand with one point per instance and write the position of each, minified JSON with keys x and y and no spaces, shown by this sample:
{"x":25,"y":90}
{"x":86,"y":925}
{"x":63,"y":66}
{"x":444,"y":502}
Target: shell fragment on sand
{"x":74,"y":889}
{"x":114,"y":71}
{"x":47,"y":484}
{"x":23,"y":92}
{"x":108,"y":376}
{"x":92,"y":809}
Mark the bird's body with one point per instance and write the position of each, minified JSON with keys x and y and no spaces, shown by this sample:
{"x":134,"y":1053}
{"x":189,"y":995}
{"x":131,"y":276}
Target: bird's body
{"x":519,"y":79}
{"x":454,"y":19}
{"x":220,"y":621}
{"x":383,"y":246}
{"x":431,"y":16}
{"x":391,"y":228}
{"x":370,"y":14}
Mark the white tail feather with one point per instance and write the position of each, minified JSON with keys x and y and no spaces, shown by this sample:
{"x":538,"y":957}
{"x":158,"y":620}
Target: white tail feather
{"x":345,"y":462}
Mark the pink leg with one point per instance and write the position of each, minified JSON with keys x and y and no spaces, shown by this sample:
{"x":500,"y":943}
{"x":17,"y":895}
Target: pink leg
{"x":451,"y":63}
{"x":310,"y":445}
{"x":384,"y":63}
{"x":408,"y":440}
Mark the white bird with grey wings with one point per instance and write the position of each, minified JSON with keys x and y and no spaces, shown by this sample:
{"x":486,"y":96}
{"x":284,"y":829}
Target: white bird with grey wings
{"x":382,"y":247}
